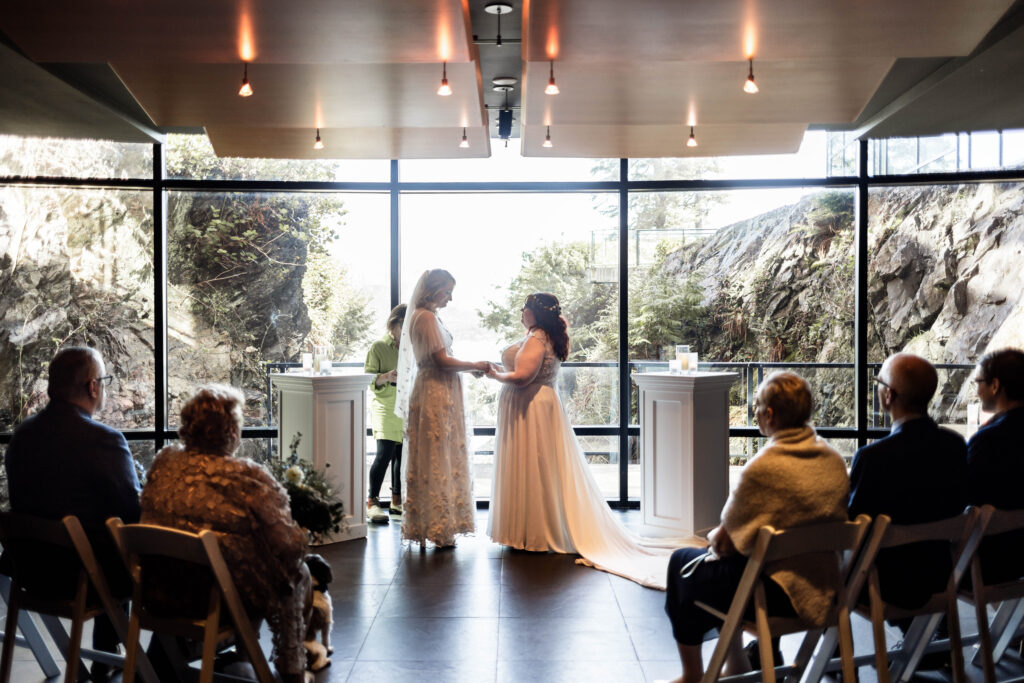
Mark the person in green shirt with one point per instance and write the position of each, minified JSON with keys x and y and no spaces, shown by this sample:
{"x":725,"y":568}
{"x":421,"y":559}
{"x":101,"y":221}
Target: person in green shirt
{"x":382,"y":362}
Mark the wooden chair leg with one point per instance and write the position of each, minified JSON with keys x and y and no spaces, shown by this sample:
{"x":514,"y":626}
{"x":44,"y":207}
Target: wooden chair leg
{"x":210,"y":638}
{"x":878,"y":629}
{"x":131,"y":646}
{"x":10,"y":635}
{"x":984,"y":640}
{"x":77,"y":623}
{"x":956,"y":646}
{"x":846,"y":646}
{"x":764,"y":635}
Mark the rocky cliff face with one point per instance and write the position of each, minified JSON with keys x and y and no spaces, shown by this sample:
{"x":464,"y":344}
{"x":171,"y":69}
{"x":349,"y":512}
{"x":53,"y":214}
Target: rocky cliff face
{"x":76,"y":268}
{"x":944,"y":280}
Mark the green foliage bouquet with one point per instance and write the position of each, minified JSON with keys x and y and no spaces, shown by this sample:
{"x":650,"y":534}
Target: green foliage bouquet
{"x":314,"y":505}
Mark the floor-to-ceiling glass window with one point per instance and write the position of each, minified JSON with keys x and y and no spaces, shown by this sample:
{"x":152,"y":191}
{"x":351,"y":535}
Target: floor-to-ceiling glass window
{"x":751,"y":260}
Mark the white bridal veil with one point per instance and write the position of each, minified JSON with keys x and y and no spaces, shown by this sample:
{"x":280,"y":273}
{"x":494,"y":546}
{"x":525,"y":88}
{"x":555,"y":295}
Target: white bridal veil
{"x":406,"y":354}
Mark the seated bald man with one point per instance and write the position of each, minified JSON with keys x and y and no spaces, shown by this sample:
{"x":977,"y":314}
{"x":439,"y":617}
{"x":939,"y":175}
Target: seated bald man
{"x":916,"y":474}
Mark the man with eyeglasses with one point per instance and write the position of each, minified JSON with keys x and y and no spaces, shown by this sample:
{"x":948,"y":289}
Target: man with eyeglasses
{"x":995,"y":457}
{"x":63,"y":462}
{"x":916,"y":474}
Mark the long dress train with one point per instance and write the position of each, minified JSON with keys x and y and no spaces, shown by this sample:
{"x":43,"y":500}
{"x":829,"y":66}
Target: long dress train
{"x":438,"y":502}
{"x":544,"y":495}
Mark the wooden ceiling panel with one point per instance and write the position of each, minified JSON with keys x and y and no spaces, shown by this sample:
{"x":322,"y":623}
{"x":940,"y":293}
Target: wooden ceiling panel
{"x":350,"y":143}
{"x":726,"y":30}
{"x":820,"y":91}
{"x":297,"y":95}
{"x":611,"y":141}
{"x":205,"y":31}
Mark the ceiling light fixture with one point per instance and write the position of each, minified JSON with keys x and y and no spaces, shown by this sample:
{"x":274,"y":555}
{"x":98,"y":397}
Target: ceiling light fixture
{"x":692,"y":142}
{"x":445,"y":90}
{"x":552,"y":89}
{"x":750,"y":86}
{"x":498,"y":8}
{"x":319,"y":144}
{"x":465,"y":141}
{"x":246,"y":89}
{"x":547,"y":139}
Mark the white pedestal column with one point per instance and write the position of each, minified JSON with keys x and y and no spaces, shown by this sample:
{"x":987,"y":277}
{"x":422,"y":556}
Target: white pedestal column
{"x":684,"y":450}
{"x":330,"y":412}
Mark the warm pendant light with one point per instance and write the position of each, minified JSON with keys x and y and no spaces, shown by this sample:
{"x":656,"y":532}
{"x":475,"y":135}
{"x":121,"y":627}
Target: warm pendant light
{"x":692,"y":142}
{"x":445,"y":90}
{"x":465,"y":141}
{"x":552,"y":89}
{"x":246,"y":89}
{"x":547,"y":139}
{"x":750,"y":86}
{"x":319,"y":144}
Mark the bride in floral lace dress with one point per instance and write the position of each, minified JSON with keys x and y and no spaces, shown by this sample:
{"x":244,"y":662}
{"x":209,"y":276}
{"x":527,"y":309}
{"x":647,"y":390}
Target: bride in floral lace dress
{"x":545,"y":497}
{"x":438,"y":501}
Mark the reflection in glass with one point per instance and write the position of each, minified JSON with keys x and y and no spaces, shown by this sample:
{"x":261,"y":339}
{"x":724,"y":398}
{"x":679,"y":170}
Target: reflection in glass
{"x":192,"y":156}
{"x":60,"y":158}
{"x":261,"y":277}
{"x":944,"y":281}
{"x":752,"y":281}
{"x":77,"y":270}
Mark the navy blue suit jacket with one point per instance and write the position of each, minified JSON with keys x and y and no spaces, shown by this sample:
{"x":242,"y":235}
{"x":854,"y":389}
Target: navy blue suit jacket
{"x":995,"y":464}
{"x":916,"y":474}
{"x":62,"y":462}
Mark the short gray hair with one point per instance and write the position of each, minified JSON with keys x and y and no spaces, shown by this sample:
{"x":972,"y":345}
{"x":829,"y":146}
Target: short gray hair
{"x":789,"y":397}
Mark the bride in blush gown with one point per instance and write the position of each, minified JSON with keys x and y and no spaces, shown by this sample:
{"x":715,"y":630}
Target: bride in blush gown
{"x":544,"y":496}
{"x":437,"y":483}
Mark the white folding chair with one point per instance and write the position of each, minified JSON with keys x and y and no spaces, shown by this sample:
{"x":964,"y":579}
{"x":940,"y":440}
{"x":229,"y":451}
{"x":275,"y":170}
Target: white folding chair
{"x":841,"y":541}
{"x":24,"y":534}
{"x":1010,"y":613}
{"x":143,"y":544}
{"x":963,"y":534}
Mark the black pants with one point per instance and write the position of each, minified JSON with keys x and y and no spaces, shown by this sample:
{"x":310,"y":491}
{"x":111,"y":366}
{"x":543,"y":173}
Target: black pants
{"x":388,"y":452}
{"x":713,"y":583}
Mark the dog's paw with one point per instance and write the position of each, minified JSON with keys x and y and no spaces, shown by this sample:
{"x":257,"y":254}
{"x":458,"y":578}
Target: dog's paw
{"x":330,"y":650}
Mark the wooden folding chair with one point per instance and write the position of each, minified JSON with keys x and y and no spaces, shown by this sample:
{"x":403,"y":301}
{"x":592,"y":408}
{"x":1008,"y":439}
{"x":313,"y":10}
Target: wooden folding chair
{"x":963,"y":533}
{"x":1008,"y":618}
{"x":23,"y":534}
{"x":836,"y":538}
{"x":142,"y":544}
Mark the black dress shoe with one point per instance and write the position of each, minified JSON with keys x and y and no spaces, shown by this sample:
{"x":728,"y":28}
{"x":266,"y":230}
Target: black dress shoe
{"x":753,"y":652}
{"x":101,"y":673}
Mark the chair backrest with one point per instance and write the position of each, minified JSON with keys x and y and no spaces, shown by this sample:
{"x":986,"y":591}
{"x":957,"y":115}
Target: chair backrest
{"x":1001,"y":521}
{"x":138,"y":541}
{"x":815,"y":538}
{"x":40,"y":551}
{"x":963,"y":533}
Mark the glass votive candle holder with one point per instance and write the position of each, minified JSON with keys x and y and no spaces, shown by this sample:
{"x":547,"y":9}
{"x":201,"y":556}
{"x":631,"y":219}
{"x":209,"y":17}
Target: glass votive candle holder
{"x":683,"y":356}
{"x":307,"y":362}
{"x":693,"y":361}
{"x":674,"y":367}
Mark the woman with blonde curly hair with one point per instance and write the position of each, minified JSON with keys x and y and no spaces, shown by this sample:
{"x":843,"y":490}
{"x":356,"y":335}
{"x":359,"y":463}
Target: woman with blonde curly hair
{"x":199,"y":484}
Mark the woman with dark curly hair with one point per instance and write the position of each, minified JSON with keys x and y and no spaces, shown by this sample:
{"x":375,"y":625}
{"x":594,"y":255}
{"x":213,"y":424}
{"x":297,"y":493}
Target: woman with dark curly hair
{"x":545,"y":498}
{"x":199,"y":484}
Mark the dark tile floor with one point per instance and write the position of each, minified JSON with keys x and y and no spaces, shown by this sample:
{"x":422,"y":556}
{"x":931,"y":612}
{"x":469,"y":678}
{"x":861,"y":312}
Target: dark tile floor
{"x":481,"y":613}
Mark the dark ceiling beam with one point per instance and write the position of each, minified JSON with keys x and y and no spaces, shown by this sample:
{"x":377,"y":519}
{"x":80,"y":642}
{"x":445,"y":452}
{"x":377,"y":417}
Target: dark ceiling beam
{"x":1003,"y":30}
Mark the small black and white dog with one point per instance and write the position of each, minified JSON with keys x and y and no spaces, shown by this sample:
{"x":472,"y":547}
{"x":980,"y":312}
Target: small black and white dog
{"x":323,"y":614}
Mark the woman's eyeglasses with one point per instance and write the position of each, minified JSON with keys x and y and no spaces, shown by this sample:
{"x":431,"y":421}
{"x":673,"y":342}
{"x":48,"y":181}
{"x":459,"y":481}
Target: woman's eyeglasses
{"x":104,"y":381}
